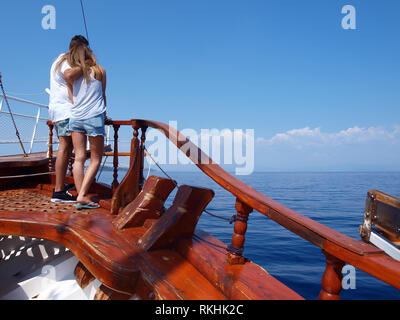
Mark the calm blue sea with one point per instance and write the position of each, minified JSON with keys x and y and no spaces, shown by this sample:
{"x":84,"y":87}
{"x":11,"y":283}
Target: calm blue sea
{"x":335,"y":199}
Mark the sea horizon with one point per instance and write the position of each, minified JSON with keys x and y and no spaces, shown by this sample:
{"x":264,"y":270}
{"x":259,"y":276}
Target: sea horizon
{"x":106,"y":167}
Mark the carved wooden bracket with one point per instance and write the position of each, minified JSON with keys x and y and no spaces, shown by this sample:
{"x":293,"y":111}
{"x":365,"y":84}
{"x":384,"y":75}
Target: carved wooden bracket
{"x":179,"y":221}
{"x":147,"y":205}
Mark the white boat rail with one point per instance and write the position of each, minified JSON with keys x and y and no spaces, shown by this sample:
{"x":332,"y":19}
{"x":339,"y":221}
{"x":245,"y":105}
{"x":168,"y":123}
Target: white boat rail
{"x":37,"y":118}
{"x":25,"y":101}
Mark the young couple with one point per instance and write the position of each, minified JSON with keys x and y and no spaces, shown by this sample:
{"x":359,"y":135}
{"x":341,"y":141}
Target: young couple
{"x":78,"y":109}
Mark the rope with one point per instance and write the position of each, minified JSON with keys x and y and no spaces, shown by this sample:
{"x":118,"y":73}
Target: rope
{"x":231,"y":220}
{"x":211,"y":244}
{"x":235,"y":250}
{"x":12,"y":117}
{"x":148,"y":172}
{"x":84,"y":21}
{"x":101,"y":169}
{"x":162,"y":170}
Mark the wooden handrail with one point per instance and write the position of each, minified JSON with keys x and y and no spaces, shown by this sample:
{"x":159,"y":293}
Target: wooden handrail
{"x":363,"y":256}
{"x":307,"y":228}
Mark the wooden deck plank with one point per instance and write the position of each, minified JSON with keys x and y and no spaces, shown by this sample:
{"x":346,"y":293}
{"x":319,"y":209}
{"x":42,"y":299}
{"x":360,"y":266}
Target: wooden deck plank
{"x":247,"y":281}
{"x":20,"y":157}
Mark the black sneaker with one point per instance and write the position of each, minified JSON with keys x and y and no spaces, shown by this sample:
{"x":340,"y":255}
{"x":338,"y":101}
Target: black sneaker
{"x":62,"y":196}
{"x":68,"y":186}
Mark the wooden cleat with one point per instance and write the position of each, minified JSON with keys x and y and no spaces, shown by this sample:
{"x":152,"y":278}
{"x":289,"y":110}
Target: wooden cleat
{"x":147,"y":205}
{"x":179,"y":221}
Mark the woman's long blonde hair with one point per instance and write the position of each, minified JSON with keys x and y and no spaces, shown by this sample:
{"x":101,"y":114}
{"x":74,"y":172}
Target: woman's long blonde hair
{"x":82,"y":56}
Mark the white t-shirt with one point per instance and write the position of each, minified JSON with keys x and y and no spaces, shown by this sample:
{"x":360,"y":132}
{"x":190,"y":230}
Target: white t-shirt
{"x":60,"y":104}
{"x":88,"y":99}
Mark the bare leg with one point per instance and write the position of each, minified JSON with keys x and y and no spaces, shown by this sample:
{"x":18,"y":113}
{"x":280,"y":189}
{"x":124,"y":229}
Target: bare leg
{"x":96,"y":154}
{"x":63,"y":154}
{"x":79,"y":141}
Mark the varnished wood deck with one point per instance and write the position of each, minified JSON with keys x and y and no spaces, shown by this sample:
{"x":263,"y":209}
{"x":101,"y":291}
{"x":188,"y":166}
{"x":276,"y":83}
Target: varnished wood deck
{"x":21,"y":161}
{"x":20,"y":157}
{"x":33,"y":200}
{"x":114,"y":257}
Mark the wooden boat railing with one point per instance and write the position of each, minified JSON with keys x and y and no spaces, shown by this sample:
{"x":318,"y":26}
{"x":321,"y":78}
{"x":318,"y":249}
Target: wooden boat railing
{"x":337,"y":248}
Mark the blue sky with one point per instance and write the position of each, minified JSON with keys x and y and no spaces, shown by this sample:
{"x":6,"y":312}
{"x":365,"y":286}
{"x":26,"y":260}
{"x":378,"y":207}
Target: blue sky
{"x":317,"y":96}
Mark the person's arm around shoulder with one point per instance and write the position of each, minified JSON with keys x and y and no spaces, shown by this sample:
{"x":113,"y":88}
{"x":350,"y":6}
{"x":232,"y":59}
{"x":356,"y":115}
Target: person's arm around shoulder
{"x":73,"y":74}
{"x":70,"y":76}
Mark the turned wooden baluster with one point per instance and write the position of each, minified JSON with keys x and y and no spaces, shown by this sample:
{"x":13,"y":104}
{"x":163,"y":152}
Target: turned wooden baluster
{"x":134,"y":143}
{"x":70,"y":164}
{"x":235,"y":250}
{"x":142,"y":141}
{"x":115,"y":161}
{"x":51,"y":126}
{"x":332,"y":278}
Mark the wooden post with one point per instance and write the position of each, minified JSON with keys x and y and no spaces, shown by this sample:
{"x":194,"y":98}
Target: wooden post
{"x":135,"y":159}
{"x":70,"y":165}
{"x":83,"y":276}
{"x":51,"y":126}
{"x":104,"y":293}
{"x":134,"y":144}
{"x":235,"y":254}
{"x":332,"y":278}
{"x":142,"y":141}
{"x":129,"y":187}
{"x":115,"y":161}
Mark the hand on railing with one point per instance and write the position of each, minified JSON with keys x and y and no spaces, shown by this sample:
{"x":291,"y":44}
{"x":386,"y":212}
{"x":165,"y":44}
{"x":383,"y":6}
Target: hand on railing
{"x":108,"y":121}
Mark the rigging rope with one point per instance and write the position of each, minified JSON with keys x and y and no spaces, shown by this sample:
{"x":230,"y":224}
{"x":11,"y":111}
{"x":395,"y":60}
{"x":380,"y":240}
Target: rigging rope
{"x":162,"y":170}
{"x":216,"y":246}
{"x":84,"y":21}
{"x":12,"y":117}
{"x":101,"y":169}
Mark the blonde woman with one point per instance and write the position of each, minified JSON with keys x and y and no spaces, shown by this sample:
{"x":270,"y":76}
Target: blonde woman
{"x":60,"y":112}
{"x":87,"y":119}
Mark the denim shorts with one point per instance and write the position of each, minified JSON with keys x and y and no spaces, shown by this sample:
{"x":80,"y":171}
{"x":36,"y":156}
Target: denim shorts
{"x":92,"y":127}
{"x":62,"y":128}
